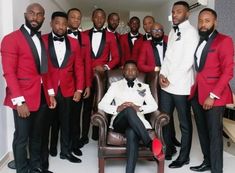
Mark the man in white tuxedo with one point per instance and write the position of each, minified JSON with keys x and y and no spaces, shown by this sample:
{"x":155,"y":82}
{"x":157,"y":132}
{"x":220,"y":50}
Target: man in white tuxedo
{"x":132,"y":100}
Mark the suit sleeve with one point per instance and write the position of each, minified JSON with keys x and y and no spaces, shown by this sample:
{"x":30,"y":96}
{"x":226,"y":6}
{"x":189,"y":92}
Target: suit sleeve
{"x":114,"y":51}
{"x":79,"y":68}
{"x":142,"y":59}
{"x":105,"y":103}
{"x":9,"y":51}
{"x":226,"y":54}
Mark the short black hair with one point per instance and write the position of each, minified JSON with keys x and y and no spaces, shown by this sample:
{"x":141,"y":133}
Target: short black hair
{"x":98,"y":9}
{"x":135,"y":18}
{"x":213,"y":12}
{"x":130,"y":62}
{"x":113,"y":14}
{"x":58,"y":14}
{"x":184,"y":3}
{"x":73,"y":9}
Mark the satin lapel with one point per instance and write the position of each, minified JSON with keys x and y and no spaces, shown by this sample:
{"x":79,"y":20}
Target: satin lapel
{"x":130,"y":42}
{"x":52,"y":53}
{"x":102,"y":44}
{"x":79,"y":38}
{"x":206,"y":50}
{"x":67,"y":52}
{"x":44,"y":62}
{"x":156,"y":55}
{"x":32,"y":46}
{"x":164,"y":48}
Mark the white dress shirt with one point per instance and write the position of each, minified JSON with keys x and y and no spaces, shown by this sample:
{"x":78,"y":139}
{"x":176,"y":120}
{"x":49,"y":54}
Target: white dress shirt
{"x":178,"y":63}
{"x":133,"y":39}
{"x":119,"y":92}
{"x":60,"y":49}
{"x":96,"y":40}
{"x":160,"y":51}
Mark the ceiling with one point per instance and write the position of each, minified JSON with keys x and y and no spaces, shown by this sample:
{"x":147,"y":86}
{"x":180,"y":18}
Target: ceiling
{"x":122,"y":7}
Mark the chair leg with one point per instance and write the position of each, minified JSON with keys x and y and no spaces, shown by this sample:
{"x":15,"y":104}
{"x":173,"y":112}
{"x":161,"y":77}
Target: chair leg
{"x":101,"y":165}
{"x":161,"y":164}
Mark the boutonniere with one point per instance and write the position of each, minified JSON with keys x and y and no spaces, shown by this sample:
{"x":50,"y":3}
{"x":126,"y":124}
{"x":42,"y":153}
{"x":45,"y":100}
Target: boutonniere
{"x":141,"y":91}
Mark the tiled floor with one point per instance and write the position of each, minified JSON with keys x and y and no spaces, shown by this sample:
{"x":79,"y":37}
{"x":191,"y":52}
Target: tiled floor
{"x":89,"y":162}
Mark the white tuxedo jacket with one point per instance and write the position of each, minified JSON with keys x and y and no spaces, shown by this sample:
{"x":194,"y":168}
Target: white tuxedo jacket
{"x":119,"y":92}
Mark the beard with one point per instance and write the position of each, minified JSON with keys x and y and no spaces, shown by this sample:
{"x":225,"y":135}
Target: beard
{"x":158,"y":39}
{"x":111,"y":28}
{"x":205,"y":34}
{"x":33,"y":28}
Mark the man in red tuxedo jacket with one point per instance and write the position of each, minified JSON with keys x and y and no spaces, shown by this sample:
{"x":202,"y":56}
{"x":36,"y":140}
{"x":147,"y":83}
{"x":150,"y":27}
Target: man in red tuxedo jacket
{"x":24,"y":63}
{"x":148,"y":22}
{"x":66,"y":68}
{"x":105,"y":56}
{"x":128,"y":40}
{"x":74,"y":21}
{"x":211,"y":91}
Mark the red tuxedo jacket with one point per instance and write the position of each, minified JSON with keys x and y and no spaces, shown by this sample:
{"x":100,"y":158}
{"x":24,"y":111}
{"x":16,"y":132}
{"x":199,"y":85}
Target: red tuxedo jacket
{"x":215,"y":70}
{"x":108,"y":46}
{"x":128,"y":48}
{"x":146,"y":57}
{"x":84,"y":42}
{"x":70,"y":75}
{"x":21,"y":70}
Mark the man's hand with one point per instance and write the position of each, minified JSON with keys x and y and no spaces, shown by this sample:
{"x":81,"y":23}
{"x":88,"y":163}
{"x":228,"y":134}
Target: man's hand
{"x":128,"y":104}
{"x":208,"y":104}
{"x":52,"y":102}
{"x":164,"y":82}
{"x":23,"y":110}
{"x":87,"y":92}
{"x":99,"y":68}
{"x":77,"y":96}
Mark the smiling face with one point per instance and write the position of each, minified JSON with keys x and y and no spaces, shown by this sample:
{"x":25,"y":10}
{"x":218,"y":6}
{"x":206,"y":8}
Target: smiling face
{"x":34,"y":16}
{"x":179,"y":14}
{"x":113,"y":22}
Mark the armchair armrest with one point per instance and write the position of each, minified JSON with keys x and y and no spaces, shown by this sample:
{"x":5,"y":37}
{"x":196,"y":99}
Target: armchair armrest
{"x":158,"y":120}
{"x":99,"y":119}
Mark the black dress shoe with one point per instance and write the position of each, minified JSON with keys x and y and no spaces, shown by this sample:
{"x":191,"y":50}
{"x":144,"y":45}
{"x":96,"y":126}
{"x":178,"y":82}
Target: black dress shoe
{"x":12,"y":164}
{"x":178,"y":163}
{"x":53,"y":152}
{"x":83,"y":141}
{"x":201,"y":168}
{"x":176,"y":142}
{"x":70,"y":158}
{"x":77,"y":152}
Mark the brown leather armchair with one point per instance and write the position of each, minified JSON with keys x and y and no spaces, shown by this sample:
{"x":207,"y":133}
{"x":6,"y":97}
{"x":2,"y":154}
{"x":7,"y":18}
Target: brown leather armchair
{"x":111,"y":145}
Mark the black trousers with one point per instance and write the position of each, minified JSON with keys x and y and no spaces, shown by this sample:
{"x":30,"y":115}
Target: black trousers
{"x":61,"y":120}
{"x":210,"y":132}
{"x":128,"y":122}
{"x":27,"y":135}
{"x":182,"y":105}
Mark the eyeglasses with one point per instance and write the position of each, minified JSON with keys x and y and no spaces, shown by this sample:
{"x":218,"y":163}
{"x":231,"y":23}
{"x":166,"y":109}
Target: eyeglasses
{"x":157,"y":30}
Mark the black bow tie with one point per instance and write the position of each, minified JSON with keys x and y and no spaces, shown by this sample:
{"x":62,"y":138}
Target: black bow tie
{"x":148,"y":36}
{"x":176,"y":28}
{"x":97,"y":31}
{"x":134,"y":36}
{"x":37,"y":33}
{"x":157,"y":43}
{"x":61,"y":39}
{"x":130,"y":83}
{"x":75,"y":33}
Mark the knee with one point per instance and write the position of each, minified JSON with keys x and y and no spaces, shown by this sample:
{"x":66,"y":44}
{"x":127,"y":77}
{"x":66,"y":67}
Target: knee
{"x":129,"y":111}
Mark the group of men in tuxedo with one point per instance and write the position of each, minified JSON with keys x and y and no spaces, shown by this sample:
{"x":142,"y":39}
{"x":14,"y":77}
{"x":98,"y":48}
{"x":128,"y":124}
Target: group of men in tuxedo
{"x":56,"y":71}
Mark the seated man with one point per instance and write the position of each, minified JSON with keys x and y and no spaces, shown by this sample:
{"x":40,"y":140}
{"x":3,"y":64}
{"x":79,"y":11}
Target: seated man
{"x":132,"y":100}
